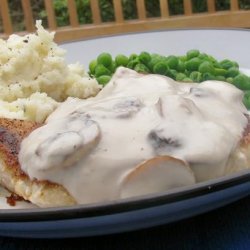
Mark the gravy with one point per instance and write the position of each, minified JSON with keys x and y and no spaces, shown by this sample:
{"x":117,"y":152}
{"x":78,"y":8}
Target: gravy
{"x":88,"y":146}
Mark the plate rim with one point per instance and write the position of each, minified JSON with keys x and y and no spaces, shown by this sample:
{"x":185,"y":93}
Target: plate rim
{"x":125,"y":205}
{"x":239,"y":29}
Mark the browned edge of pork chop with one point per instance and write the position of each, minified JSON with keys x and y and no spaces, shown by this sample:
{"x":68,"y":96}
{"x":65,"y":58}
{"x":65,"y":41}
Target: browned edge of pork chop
{"x":41,"y":193}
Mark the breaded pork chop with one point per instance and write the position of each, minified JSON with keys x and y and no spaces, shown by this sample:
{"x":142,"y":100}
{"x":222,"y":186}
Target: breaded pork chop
{"x":47,"y":194}
{"x":41,"y":193}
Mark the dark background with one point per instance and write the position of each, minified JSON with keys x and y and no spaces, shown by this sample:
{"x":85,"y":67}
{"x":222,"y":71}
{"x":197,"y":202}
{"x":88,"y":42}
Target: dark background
{"x":225,"y":228}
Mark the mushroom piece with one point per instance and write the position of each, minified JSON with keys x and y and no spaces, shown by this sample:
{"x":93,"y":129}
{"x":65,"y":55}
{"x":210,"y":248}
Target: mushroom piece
{"x":68,"y":147}
{"x":158,"y":174}
{"x":127,"y":107}
{"x":161,"y":143}
{"x":60,"y":143}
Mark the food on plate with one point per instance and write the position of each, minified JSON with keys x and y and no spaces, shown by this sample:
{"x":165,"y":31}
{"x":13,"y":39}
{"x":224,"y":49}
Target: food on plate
{"x":155,"y":175}
{"x":12,"y":201}
{"x":12,"y":132}
{"x":34,"y":76}
{"x":192,"y":67}
{"x":141,"y":134}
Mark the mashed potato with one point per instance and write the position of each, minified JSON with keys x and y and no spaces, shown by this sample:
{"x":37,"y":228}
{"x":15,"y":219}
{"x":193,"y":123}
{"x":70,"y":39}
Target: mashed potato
{"x":34,"y":77}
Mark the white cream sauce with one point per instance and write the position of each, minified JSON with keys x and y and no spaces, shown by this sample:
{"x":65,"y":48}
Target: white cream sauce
{"x":88,"y":146}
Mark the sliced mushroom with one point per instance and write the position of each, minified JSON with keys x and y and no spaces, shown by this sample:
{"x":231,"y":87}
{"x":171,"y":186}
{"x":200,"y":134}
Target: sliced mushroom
{"x":127,"y":107}
{"x":61,"y":143}
{"x":162,"y":144}
{"x":66,"y":148}
{"x":156,"y":175}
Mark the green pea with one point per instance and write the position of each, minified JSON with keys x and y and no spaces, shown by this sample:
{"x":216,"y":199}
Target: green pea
{"x":236,"y":64}
{"x":151,"y":65}
{"x":203,"y":56}
{"x":113,"y":67}
{"x":183,"y":58}
{"x":104,"y":59}
{"x":104,"y":79}
{"x":121,"y":60}
{"x":226,"y":64}
{"x":206,"y":67}
{"x":181,"y":66}
{"x":131,"y":64}
{"x":247,"y":93}
{"x":172,"y":62}
{"x":195,"y":76}
{"x":144,"y":57}
{"x":242,"y":82}
{"x":172,"y":73}
{"x":180,"y":77}
{"x":92,"y":66}
{"x":156,"y":56}
{"x":211,"y":59}
{"x":246,"y":100}
{"x":217,"y":65}
{"x":220,"y":78}
{"x":193,"y":64}
{"x":192,"y":53}
{"x":100,"y":70}
{"x":232,"y":72}
{"x":208,"y":76}
{"x":229,"y":79}
{"x":154,"y":60}
{"x":220,"y":72}
{"x":141,"y":68}
{"x":160,"y":68}
{"x":132,"y":57}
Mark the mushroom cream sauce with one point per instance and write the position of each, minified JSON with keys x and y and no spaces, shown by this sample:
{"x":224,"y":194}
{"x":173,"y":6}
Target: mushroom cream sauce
{"x":105,"y":147}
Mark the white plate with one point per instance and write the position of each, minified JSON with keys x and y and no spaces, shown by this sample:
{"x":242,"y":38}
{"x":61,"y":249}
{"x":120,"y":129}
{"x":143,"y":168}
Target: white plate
{"x":231,"y":44}
{"x":131,"y":214}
